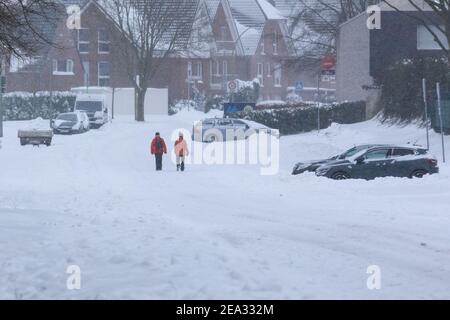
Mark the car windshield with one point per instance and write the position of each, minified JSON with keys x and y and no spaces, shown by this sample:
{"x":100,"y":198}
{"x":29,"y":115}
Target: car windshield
{"x":67,"y":117}
{"x":89,"y":106}
{"x":352,"y":152}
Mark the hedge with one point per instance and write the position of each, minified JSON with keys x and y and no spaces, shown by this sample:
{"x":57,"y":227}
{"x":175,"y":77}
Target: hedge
{"x":293,"y":120}
{"x":28,"y":106}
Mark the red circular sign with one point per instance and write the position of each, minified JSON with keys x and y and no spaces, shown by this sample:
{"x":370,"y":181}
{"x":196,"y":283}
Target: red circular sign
{"x":232,"y":85}
{"x":328,"y":62}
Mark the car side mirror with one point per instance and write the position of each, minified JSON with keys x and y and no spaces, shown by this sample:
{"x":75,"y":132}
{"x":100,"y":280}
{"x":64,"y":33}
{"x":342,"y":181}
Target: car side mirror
{"x":360,"y":160}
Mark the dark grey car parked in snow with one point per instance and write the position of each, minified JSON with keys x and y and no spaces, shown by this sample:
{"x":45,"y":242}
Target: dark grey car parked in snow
{"x":311,"y":166}
{"x":385,"y":161}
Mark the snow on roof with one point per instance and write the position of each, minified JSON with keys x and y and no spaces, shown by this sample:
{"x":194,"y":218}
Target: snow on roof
{"x":270,"y":11}
{"x":249,"y":37}
{"x":247,"y":12}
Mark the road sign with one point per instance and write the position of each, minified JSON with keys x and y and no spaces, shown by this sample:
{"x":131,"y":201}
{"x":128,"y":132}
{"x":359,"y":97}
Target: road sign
{"x":328,"y":62}
{"x":299,"y":86}
{"x":232,"y":86}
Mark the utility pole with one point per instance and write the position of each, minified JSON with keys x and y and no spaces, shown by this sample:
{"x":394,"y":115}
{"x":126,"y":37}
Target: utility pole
{"x":318,"y":101}
{"x":424,"y":89}
{"x":438,"y":88}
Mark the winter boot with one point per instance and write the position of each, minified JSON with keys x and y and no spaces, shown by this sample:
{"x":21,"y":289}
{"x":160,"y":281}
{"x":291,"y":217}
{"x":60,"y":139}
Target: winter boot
{"x":178,"y":167}
{"x":182,"y":167}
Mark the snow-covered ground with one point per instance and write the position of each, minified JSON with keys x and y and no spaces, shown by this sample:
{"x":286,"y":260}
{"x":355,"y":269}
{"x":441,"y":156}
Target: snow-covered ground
{"x":220,"y":232}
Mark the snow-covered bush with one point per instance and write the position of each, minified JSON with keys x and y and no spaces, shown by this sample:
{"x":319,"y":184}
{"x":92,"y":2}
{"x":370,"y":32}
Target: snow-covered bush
{"x":215,"y":102}
{"x":183,"y":105}
{"x":304,"y":118}
{"x":292,"y":96}
{"x":28,"y":106}
{"x":248,"y":91}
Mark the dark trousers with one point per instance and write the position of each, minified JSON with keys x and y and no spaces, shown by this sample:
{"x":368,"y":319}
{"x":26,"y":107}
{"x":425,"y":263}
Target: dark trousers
{"x":158,"y":158}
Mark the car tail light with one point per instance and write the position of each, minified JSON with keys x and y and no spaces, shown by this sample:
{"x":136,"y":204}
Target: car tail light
{"x":432,"y":162}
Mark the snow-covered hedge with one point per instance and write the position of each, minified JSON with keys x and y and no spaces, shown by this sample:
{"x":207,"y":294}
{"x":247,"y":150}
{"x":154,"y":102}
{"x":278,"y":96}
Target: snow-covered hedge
{"x":28,"y":106}
{"x":292,"y":120}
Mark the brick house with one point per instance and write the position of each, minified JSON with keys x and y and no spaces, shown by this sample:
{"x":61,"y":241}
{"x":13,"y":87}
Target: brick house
{"x":230,"y":39}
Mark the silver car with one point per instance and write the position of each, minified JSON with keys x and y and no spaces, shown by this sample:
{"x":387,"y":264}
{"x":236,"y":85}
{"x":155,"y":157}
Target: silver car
{"x":225,"y":129}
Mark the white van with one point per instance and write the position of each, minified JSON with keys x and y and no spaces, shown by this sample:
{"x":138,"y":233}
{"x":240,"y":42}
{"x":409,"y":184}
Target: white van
{"x":95,"y":106}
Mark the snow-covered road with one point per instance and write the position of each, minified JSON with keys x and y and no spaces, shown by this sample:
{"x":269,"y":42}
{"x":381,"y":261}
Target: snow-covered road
{"x":221,"y":232}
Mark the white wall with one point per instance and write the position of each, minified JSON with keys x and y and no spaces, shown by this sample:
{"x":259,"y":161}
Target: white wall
{"x":156,"y":100}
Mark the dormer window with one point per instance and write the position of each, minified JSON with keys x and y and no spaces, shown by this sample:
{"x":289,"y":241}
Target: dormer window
{"x":83,"y":40}
{"x":275,"y":42}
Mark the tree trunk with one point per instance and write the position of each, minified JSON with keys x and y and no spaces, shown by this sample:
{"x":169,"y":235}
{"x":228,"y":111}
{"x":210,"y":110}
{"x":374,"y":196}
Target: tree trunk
{"x":140,"y":105}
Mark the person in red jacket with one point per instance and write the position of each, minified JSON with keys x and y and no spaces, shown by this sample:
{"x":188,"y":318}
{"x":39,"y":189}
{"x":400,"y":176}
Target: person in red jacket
{"x":158,"y":148}
{"x":181,"y":151}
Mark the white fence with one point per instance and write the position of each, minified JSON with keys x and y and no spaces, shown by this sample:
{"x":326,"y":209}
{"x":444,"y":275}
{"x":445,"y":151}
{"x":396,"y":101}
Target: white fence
{"x":156,"y":100}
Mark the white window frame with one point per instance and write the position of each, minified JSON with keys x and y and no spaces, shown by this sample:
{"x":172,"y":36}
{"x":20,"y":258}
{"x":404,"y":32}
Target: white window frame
{"x":101,"y":77}
{"x":275,"y":42}
{"x":100,"y":42}
{"x":82,"y":42}
{"x":260,"y":73}
{"x":263,"y":45}
{"x":68,"y":70}
{"x":269,"y":70}
{"x":216,"y":65}
{"x":199,"y":69}
{"x":189,"y":70}
{"x":225,"y":67}
{"x":277,"y":75}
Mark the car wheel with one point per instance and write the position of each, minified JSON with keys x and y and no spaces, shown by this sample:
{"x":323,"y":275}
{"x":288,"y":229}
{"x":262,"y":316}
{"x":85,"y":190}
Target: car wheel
{"x":340,"y":176}
{"x":23,"y":142}
{"x":419,"y":174}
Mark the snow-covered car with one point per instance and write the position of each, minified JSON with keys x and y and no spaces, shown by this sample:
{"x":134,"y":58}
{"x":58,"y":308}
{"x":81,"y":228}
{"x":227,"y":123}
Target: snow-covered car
{"x":311,"y":166}
{"x":382,"y":161}
{"x":37,"y":132}
{"x":69,"y":123}
{"x":225,"y":129}
{"x":95,"y":106}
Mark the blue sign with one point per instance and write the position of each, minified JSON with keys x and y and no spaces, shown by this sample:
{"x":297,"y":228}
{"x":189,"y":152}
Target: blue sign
{"x":235,"y":107}
{"x":299,"y":86}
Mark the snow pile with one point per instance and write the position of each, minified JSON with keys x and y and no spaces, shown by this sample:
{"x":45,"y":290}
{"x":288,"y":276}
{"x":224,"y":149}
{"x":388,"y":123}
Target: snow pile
{"x":37,"y":124}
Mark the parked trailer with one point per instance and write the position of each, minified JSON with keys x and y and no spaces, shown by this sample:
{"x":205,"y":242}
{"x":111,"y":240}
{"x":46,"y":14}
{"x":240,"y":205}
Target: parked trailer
{"x":35,"y":137}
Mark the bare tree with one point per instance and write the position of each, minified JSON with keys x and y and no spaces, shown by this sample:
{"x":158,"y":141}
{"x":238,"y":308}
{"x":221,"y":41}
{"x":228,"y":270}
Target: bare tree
{"x":23,"y":25}
{"x":152,"y":32}
{"x":316,"y":24}
{"x":438,"y":24}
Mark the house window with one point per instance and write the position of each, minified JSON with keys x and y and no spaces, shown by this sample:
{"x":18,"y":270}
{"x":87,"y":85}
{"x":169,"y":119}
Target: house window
{"x":263,"y":45}
{"x":103,"y":41}
{"x":269,"y":70}
{"x":225,"y":68}
{"x":198,"y":70}
{"x":83,"y":40}
{"x":216,"y":68}
{"x":275,"y":42}
{"x":189,"y":70}
{"x":104,"y":74}
{"x":2,"y":84}
{"x":260,"y":73}
{"x":223,"y":33}
{"x":425,"y":39}
{"x":63,"y":67}
{"x":277,"y":75}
